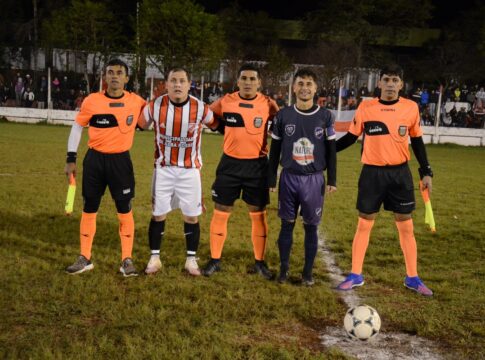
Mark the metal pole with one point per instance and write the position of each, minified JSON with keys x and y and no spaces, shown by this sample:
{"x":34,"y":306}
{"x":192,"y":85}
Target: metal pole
{"x":438,"y":114}
{"x":289,"y":89}
{"x":202,"y":88}
{"x":339,"y":106}
{"x":151,"y":89}
{"x":49,"y":103}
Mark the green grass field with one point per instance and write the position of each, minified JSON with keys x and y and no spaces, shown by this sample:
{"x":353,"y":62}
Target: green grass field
{"x":45,"y":313}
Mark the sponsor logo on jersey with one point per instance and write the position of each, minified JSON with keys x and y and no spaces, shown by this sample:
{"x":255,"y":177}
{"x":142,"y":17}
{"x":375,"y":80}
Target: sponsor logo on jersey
{"x":402,"y":130}
{"x":102,"y":121}
{"x":373,"y":128}
{"x":388,"y":109}
{"x":129,"y":120}
{"x":290,"y":129}
{"x":303,"y":151}
{"x":258,"y":122}
{"x":318,"y":132}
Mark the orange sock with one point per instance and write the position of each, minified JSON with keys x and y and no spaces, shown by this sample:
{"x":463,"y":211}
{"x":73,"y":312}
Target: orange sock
{"x":360,"y":243}
{"x":408,"y":246}
{"x":218,"y":232}
{"x":127,"y":234}
{"x":259,"y":233}
{"x":87,"y":230}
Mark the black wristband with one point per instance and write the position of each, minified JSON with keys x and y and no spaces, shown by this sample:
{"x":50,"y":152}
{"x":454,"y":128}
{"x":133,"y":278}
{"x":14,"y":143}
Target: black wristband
{"x":71,"y":157}
{"x":425,"y":172}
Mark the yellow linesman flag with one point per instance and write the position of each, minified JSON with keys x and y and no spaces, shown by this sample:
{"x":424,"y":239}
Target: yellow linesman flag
{"x":428,"y":215}
{"x":71,"y":193}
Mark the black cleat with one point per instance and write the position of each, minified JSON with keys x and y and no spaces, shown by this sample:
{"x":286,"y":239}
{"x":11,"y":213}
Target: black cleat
{"x":283,"y":277}
{"x":307,"y":281}
{"x":212,"y":266}
{"x":261,"y":269}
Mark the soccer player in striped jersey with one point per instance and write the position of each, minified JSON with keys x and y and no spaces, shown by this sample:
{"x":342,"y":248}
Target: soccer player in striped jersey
{"x":244,"y":117}
{"x":304,"y":138}
{"x":178,"y":119}
{"x":112,"y":117}
{"x":387,"y":123}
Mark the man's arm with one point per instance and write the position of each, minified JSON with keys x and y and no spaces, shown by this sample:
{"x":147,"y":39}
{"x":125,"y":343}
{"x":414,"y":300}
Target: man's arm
{"x":331,"y":160}
{"x":345,"y":141}
{"x":72,"y":145}
{"x":425,"y":172}
{"x":219,"y":123}
{"x":274,"y":159}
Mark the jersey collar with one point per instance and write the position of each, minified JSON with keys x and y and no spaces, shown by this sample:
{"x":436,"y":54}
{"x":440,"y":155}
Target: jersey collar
{"x":384,"y":102}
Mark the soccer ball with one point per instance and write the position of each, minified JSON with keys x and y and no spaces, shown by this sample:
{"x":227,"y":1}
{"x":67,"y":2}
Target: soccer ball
{"x":362,"y":322}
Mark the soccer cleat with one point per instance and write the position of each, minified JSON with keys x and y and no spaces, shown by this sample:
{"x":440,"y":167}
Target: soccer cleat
{"x":415,"y":283}
{"x":261,"y":268}
{"x":154,"y":265}
{"x":191,"y":266}
{"x":212,"y":266}
{"x":127,"y":268}
{"x":307,"y":281}
{"x":352,"y":280}
{"x":81,"y":265}
{"x":283,"y":277}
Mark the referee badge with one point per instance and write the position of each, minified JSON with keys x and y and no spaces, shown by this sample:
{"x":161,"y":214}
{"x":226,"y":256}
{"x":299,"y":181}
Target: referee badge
{"x":402,"y":130}
{"x":129,"y":120}
{"x":258,"y":122}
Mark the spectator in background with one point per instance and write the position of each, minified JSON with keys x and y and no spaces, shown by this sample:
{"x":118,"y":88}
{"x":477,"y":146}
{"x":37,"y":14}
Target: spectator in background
{"x":377,"y":92}
{"x":79,"y":100}
{"x":363,"y":92}
{"x":416,"y":96}
{"x":28,"y":97}
{"x":42,"y":98}
{"x":480,"y":96}
{"x":457,"y":94}
{"x":43,"y":84}
{"x":55,"y":84}
{"x":424,"y":100}
{"x":433,"y":100}
{"x":464,"y":93}
{"x":470,"y":97}
{"x":19,"y":90}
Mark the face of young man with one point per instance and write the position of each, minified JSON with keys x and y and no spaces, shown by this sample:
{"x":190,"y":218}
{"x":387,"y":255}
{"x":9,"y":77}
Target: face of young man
{"x":116,"y":78}
{"x":304,"y":88}
{"x":248,"y":83}
{"x":178,"y":86}
{"x":390,"y":86}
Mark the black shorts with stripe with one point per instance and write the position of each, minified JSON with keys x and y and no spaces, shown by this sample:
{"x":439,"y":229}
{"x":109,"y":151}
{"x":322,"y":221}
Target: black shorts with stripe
{"x":112,"y":170}
{"x":246,"y":176}
{"x":388,"y":185}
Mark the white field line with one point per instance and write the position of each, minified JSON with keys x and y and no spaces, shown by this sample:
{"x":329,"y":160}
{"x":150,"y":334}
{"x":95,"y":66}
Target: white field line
{"x":384,"y":346}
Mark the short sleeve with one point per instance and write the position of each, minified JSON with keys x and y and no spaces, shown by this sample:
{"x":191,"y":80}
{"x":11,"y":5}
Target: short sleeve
{"x":356,"y":126}
{"x":414,"y":128}
{"x":85,"y":113}
{"x":216,"y":107}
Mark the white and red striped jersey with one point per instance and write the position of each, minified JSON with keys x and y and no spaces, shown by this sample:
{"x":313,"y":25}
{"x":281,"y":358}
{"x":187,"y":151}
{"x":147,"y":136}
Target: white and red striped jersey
{"x":178,"y":129}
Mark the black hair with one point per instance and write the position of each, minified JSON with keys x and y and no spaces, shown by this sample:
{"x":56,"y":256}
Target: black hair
{"x":248,"y":67}
{"x":114,"y":62}
{"x":177,"y":69}
{"x":391,"y":69}
{"x":305,"y":72}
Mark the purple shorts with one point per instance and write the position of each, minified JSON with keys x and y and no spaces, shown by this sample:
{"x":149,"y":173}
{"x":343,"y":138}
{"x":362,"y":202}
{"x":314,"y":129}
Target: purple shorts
{"x":304,"y":191}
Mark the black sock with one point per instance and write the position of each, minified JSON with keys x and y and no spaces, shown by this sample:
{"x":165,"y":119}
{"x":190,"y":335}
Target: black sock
{"x":192,"y":237}
{"x":285,"y":240}
{"x":155,"y":235}
{"x":311,"y":246}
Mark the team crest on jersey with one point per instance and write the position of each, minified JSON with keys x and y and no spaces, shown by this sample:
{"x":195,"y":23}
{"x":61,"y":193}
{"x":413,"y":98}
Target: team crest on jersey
{"x":258,"y":122}
{"x":129,"y":120}
{"x":318,"y":211}
{"x":290,"y":129}
{"x":318,"y":132}
{"x":402,"y":130}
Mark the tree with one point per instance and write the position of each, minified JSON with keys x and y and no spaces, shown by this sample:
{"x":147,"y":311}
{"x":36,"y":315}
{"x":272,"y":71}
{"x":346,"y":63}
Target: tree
{"x":85,"y":27}
{"x":180,"y":33}
{"x":278,"y":68}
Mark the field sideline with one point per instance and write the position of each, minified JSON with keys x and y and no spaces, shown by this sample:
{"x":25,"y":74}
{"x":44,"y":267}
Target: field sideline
{"x":45,"y":313}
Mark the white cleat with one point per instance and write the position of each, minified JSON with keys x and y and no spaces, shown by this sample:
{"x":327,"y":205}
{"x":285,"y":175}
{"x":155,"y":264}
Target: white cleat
{"x":191,"y":266}
{"x":154,"y":265}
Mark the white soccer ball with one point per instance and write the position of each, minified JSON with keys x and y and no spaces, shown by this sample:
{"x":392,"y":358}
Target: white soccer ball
{"x":362,"y":322}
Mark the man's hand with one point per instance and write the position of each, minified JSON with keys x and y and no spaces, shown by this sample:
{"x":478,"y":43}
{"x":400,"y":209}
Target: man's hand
{"x":427,"y":183}
{"x":330,"y":189}
{"x":69,"y":169}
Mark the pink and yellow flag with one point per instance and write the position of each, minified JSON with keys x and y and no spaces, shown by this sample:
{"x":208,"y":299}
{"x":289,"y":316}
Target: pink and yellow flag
{"x":428,"y":215}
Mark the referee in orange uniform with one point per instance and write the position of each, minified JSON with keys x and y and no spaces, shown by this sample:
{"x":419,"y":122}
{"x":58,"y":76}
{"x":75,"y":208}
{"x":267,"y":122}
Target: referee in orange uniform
{"x":387,"y":123}
{"x":243,"y":116}
{"x":112,"y":117}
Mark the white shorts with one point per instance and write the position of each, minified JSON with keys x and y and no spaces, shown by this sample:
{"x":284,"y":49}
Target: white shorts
{"x":176,"y":188}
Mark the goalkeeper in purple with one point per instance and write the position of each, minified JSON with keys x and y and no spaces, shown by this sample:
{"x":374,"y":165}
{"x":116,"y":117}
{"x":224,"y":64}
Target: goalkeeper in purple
{"x":304,"y":143}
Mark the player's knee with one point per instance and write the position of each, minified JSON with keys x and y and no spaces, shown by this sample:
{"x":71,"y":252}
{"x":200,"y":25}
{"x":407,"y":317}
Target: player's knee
{"x":191,"y":219}
{"x":287,"y":224}
{"x":223,"y":208}
{"x":123,"y":206}
{"x":91,"y":204}
{"x":402,"y":217}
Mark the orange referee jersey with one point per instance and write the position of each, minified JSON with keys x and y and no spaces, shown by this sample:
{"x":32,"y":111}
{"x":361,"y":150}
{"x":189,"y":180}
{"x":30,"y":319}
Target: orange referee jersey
{"x":386,"y":128}
{"x":112,"y":122}
{"x":246,"y":124}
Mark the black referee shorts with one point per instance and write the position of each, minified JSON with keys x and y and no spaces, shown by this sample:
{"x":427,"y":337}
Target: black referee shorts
{"x":391,"y":185}
{"x":112,"y":170}
{"x":248,"y":176}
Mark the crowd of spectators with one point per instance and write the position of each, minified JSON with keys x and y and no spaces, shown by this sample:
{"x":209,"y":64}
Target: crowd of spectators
{"x":462,"y":105}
